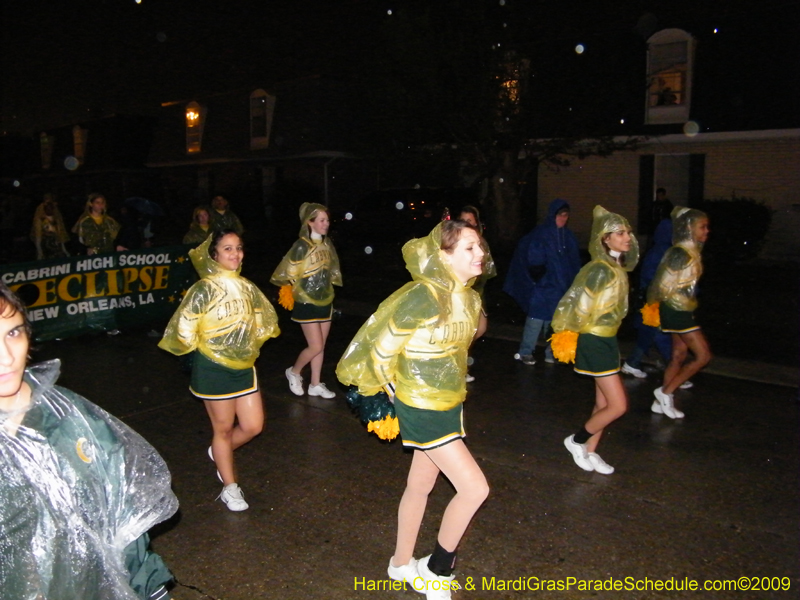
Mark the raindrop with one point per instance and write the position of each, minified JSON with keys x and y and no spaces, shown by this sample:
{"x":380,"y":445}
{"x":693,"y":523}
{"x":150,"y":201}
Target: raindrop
{"x":399,"y":205}
{"x":580,"y":48}
{"x":389,"y":12}
{"x":16,"y":183}
{"x":502,"y":2}
{"x":145,"y":389}
{"x":691,"y":128}
{"x":71,"y":163}
{"x":348,"y":216}
{"x":470,"y":361}
{"x":501,"y":180}
{"x":715,"y":30}
{"x":622,"y":121}
{"x":368,"y":250}
{"x":161,"y":36}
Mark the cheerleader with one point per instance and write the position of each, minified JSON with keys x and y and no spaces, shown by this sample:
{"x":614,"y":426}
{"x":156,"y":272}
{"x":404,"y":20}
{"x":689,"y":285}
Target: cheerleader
{"x":225,"y":318}
{"x":674,"y":291}
{"x":416,"y":345}
{"x":306,"y":276}
{"x":585,"y":324}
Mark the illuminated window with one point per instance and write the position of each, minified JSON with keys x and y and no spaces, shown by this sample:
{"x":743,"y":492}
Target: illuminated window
{"x":670,"y":58}
{"x":79,"y":138}
{"x":195,"y":121}
{"x":514,"y":72}
{"x":262,"y":107}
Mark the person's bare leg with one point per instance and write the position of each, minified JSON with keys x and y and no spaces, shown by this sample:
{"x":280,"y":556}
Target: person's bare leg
{"x":679,"y":370}
{"x":421,"y":479}
{"x":459,"y":466}
{"x":611,"y":402}
{"x":316,"y":362}
{"x":313,"y":335}
{"x":227,"y":436}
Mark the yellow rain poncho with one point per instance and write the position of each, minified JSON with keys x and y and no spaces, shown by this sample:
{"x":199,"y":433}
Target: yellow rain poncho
{"x":419,"y":336}
{"x":311,"y":266}
{"x":597,"y":301}
{"x":223,"y":316}
{"x":675,"y":282}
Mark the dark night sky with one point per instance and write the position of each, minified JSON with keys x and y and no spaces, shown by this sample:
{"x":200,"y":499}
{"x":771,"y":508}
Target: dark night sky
{"x":63,"y":61}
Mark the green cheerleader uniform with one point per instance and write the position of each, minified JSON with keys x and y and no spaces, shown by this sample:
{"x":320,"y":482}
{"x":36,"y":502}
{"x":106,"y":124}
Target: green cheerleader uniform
{"x":417,"y":341}
{"x":597,"y":301}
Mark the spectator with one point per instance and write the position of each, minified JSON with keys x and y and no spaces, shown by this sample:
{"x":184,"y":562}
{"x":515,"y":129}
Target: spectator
{"x":79,"y":489}
{"x":543,"y":266}
{"x":222,"y":217}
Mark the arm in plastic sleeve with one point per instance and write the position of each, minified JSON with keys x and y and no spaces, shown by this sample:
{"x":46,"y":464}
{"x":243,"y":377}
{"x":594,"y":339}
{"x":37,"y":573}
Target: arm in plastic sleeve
{"x":289,"y":269}
{"x":575,"y":311}
{"x":666,"y":281}
{"x":182,"y":333}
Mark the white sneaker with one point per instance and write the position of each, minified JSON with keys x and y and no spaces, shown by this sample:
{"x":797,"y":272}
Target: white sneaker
{"x":629,"y":370}
{"x":600,"y":466}
{"x":211,"y":456}
{"x":295,"y":382}
{"x":319,"y":390}
{"x":579,"y":453}
{"x":686,"y":385}
{"x":407,"y":573}
{"x":665,"y":405}
{"x":233,"y":497}
{"x":469,"y":378}
{"x":435,"y":587}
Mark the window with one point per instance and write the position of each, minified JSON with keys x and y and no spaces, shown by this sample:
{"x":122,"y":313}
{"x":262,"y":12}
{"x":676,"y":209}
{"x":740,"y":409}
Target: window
{"x":195,"y":122}
{"x":670,"y":58}
{"x":79,"y":137}
{"x":262,"y":107}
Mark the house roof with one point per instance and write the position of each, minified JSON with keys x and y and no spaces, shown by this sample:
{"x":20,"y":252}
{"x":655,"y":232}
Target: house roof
{"x":309,"y":122}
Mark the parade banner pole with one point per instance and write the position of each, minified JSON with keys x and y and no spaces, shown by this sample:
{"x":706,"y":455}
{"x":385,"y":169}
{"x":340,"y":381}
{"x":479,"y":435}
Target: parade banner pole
{"x":71,"y":296}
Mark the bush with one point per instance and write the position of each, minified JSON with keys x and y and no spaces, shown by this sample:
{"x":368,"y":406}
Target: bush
{"x":738,"y":226}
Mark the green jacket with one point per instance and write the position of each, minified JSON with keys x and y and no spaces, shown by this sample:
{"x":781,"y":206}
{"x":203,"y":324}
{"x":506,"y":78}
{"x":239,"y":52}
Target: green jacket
{"x":79,"y":492}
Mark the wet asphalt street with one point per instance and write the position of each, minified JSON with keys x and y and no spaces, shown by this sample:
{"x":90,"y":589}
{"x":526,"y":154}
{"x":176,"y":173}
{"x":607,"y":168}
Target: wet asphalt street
{"x":711,"y":498}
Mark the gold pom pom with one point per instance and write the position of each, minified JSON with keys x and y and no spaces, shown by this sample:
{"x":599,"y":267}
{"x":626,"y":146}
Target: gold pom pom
{"x":564,"y":344}
{"x":285,"y":297}
{"x":387,"y":429}
{"x":650,"y":315}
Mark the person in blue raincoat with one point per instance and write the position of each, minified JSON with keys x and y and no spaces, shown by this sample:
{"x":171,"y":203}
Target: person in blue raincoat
{"x":544,"y":264}
{"x":647,"y":335}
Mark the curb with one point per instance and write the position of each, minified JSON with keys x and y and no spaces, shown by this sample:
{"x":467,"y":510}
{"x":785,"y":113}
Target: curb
{"x":734,"y":368}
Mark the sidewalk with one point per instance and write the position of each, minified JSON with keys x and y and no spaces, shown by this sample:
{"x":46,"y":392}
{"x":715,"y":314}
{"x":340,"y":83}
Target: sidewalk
{"x":747,"y":370}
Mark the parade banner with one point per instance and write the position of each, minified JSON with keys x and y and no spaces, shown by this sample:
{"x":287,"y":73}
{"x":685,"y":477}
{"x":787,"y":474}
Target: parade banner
{"x":103,"y":292}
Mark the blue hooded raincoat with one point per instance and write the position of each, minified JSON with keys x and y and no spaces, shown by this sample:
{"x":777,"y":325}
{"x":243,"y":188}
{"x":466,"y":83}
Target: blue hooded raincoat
{"x":552,"y":248}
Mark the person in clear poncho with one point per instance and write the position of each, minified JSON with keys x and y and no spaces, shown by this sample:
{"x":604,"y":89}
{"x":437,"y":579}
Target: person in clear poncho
{"x":592,"y":309}
{"x":417,"y":342}
{"x":306,"y":276}
{"x":48,"y":231}
{"x":471,"y":215}
{"x":224,"y":319}
{"x":674,"y":290}
{"x":199,"y":229}
{"x":79,"y":488}
{"x":96,"y":230}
